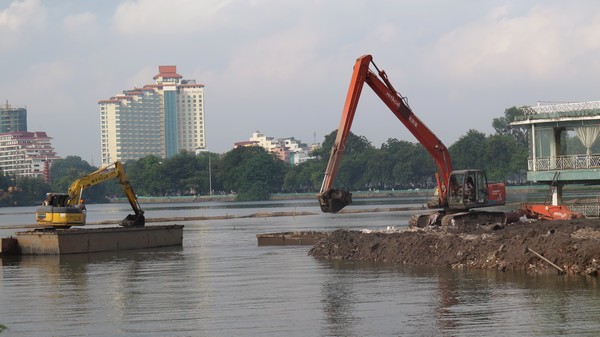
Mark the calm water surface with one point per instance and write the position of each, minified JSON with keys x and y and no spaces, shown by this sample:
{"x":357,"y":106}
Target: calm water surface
{"x":220,"y":283}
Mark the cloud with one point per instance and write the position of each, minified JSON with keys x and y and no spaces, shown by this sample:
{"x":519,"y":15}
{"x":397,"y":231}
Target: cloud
{"x":167,"y":17}
{"x":283,"y":66}
{"x":18,"y":21}
{"x":58,"y":106}
{"x":545,"y":43}
{"x":142,"y":77}
{"x":51,"y":80}
{"x":277,"y":57}
{"x":82,"y":25}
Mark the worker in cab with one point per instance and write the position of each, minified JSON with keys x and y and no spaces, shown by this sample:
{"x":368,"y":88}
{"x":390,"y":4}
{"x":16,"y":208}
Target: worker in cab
{"x":469,"y":189}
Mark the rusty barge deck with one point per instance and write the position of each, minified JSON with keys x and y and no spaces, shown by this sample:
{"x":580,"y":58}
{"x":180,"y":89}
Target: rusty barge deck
{"x":84,"y":240}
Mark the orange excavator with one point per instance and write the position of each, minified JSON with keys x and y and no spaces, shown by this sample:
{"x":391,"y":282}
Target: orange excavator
{"x":457,"y":192}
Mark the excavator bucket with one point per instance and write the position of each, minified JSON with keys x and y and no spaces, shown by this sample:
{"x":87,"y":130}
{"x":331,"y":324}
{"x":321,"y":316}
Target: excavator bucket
{"x":133,"y":220}
{"x":332,"y":200}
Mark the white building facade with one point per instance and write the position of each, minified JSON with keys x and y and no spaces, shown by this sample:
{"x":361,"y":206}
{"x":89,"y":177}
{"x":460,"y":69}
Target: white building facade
{"x":26,"y":154}
{"x":159,"y":119}
{"x":289,"y":150}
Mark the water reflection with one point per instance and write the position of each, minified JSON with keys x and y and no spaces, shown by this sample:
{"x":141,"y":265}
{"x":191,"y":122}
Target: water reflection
{"x":338,"y":302}
{"x":457,"y":302}
{"x":447,"y":294}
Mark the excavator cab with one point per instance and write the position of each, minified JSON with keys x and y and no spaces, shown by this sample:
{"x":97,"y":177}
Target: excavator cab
{"x":467,"y":189}
{"x":55,"y":212}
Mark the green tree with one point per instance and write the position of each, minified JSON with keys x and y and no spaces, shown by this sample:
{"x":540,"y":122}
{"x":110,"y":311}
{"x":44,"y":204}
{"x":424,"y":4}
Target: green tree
{"x":184,"y":173}
{"x":204,"y":179}
{"x":502,"y":126}
{"x":354,"y":144}
{"x":468,"y":151}
{"x":252,"y":172}
{"x":380,"y":169}
{"x":518,"y":166}
{"x":351,"y":173}
{"x":290,"y":181}
{"x":305,"y":177}
{"x":5,"y":181}
{"x":357,"y":153}
{"x":5,"y":187}
{"x":29,"y":191}
{"x":64,"y":172}
{"x":514,"y":155}
{"x":502,"y":156}
{"x":408,"y":163}
{"x":148,"y":176}
{"x":71,"y":167}
{"x":498,"y":156}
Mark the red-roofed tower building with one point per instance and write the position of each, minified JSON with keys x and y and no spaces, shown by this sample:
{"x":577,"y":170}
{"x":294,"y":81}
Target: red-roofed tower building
{"x":158,"y":119}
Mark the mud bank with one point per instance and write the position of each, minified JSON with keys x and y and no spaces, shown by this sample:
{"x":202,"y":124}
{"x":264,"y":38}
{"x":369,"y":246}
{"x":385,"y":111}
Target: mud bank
{"x":573,"y":246}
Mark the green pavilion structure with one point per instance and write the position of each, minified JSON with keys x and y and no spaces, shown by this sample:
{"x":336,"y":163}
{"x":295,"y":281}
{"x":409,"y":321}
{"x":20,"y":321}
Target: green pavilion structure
{"x":561,"y":148}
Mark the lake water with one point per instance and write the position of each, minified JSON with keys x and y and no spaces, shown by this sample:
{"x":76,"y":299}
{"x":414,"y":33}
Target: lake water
{"x":220,"y":283}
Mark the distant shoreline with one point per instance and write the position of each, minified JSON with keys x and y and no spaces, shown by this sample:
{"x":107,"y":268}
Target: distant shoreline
{"x":308,"y":196}
{"x":282,"y":196}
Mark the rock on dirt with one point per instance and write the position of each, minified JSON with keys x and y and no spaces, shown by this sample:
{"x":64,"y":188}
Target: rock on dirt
{"x":572,"y":245}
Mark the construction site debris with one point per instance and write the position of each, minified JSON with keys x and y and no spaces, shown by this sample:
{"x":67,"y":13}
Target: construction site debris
{"x":289,"y":238}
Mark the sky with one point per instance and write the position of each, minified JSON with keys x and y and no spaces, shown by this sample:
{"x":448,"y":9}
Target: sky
{"x":282,"y":67}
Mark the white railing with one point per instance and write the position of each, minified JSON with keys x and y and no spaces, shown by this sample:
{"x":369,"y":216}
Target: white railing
{"x":564,"y":107}
{"x":591,"y":210}
{"x":575,"y":162}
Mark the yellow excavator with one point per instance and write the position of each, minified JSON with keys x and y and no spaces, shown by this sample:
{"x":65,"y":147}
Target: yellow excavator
{"x":63,"y":210}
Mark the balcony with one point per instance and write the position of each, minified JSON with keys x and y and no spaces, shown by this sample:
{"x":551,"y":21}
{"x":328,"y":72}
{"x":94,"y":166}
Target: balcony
{"x":568,"y":169}
{"x":573,"y":162}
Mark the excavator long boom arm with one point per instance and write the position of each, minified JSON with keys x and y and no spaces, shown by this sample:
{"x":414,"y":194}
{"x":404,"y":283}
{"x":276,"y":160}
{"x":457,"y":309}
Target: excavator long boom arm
{"x":97,"y":177}
{"x":112,"y":171}
{"x":333,"y":200}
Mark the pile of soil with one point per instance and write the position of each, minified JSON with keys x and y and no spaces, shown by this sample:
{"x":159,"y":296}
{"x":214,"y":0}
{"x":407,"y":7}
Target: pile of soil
{"x":572,"y":245}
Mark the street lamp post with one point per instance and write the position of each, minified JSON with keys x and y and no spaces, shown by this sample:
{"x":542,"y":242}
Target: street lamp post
{"x":209,"y":178}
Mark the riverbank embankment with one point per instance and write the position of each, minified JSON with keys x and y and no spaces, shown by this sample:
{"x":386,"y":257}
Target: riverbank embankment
{"x":571,"y":247}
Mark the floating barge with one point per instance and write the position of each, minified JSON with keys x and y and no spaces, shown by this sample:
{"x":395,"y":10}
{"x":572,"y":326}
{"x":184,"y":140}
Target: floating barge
{"x":73,"y":241}
{"x":289,"y":238}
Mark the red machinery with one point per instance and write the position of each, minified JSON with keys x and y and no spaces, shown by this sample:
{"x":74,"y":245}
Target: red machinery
{"x":457,"y":192}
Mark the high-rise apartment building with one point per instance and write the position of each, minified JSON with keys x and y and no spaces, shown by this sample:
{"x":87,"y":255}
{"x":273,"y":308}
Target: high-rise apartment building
{"x":22,"y":153}
{"x":158,"y":119}
{"x":13,"y":119}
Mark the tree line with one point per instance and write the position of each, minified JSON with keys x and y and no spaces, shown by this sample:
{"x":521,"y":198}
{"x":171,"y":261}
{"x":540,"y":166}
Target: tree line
{"x":252,"y":173}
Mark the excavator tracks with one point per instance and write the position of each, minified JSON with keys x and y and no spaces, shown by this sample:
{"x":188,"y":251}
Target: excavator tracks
{"x":458,"y":219}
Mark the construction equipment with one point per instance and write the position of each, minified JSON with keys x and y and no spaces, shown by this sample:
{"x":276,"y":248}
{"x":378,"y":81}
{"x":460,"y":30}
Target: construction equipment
{"x":457,"y":192}
{"x":547,"y":211}
{"x":63,"y":210}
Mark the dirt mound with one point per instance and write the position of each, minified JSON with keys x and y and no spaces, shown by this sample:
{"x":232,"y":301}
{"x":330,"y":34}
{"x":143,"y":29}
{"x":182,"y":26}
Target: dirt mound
{"x":573,"y":246}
